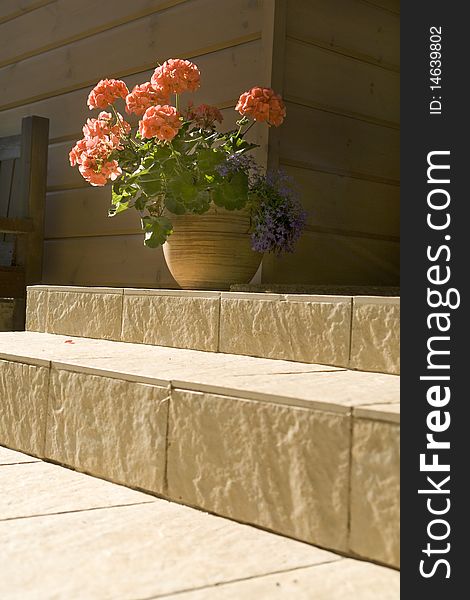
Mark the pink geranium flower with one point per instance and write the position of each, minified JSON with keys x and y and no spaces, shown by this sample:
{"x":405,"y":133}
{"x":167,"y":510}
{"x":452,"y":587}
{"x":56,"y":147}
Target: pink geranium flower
{"x":106,"y":92}
{"x":143,"y":96}
{"x":92,"y":156}
{"x":176,"y":76}
{"x":162,"y":122}
{"x":262,"y":104}
{"x":102,"y":127}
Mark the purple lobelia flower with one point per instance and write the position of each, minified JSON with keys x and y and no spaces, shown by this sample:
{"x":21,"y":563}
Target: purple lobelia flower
{"x":279,"y":217}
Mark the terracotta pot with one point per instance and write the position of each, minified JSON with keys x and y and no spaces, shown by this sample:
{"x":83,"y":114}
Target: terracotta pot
{"x":211,"y":251}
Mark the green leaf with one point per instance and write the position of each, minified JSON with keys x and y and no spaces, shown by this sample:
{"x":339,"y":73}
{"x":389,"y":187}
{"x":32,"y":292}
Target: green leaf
{"x":173,"y":205}
{"x":232,"y":194}
{"x":208,"y":159}
{"x":151,"y":187}
{"x":157,"y":230}
{"x":183,"y":188}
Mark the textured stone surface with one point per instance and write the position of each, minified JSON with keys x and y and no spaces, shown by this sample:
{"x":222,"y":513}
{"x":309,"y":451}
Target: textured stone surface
{"x":36,"y":309}
{"x":328,"y":389}
{"x":42,"y":348}
{"x":339,"y":580}
{"x":176,"y":321}
{"x":375,"y":491}
{"x":379,"y":412}
{"x":108,"y":427}
{"x":11,"y":457}
{"x":41,"y":488}
{"x":23,"y":398}
{"x":138,"y":551}
{"x":280,"y":467}
{"x":87,"y":314}
{"x":375,"y":344}
{"x":310,"y":330}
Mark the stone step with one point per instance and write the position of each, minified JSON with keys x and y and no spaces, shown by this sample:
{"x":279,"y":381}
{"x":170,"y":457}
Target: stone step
{"x":305,"y":450}
{"x":355,"y":332}
{"x":64,"y":534}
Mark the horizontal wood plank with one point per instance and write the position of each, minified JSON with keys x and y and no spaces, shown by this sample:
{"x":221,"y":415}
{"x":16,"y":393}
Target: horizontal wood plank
{"x":392,"y":6}
{"x":341,"y":84}
{"x":152,"y":39}
{"x":349,"y":27}
{"x":12,"y":9}
{"x":83,"y":212}
{"x":336,"y":259}
{"x":332,"y":143}
{"x":348,"y":204}
{"x":66,"y":21}
{"x":224,"y":75}
{"x":108,"y":261}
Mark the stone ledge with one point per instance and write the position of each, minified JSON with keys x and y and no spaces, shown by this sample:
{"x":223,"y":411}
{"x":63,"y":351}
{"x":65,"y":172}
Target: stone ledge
{"x":360,"y":333}
{"x":375,"y":335}
{"x":255,"y":445}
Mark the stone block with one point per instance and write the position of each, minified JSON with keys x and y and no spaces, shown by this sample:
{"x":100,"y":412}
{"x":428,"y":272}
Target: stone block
{"x":312,"y":329}
{"x":280,"y":467}
{"x":85,"y":312}
{"x":165,"y":318}
{"x":375,"y":344}
{"x":36,"y":309}
{"x":23,"y":400}
{"x":110,"y":428}
{"x":375,"y":491}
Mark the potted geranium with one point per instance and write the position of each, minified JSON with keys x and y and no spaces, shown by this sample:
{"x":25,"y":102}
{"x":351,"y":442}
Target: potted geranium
{"x":199,"y":193}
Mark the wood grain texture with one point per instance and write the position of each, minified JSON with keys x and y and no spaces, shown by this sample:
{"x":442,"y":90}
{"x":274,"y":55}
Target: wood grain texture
{"x":333,"y":143}
{"x":153,"y":39}
{"x":225,"y":74}
{"x":341,"y":84}
{"x":352,"y":27}
{"x":12,"y":9}
{"x":336,"y":259}
{"x":114,"y":261}
{"x":348,"y":204}
{"x":61,"y":22}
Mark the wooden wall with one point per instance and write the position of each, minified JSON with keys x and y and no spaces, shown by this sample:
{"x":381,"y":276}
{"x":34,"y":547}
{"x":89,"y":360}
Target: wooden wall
{"x":53,"y":52}
{"x":340,"y":141}
{"x":336,"y":62}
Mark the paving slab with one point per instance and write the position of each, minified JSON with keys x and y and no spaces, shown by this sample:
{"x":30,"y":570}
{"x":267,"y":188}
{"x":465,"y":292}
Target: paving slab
{"x":339,"y":580}
{"x":322,"y":389}
{"x":12,"y":457}
{"x":138,"y":551}
{"x":40,"y":488}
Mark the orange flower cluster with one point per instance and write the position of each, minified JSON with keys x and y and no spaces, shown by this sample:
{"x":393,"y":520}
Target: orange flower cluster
{"x":92,"y":153}
{"x":262,"y":104}
{"x":143,"y":96}
{"x":162,"y":122}
{"x":176,"y":76}
{"x":150,"y":101}
{"x":106,"y":92}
